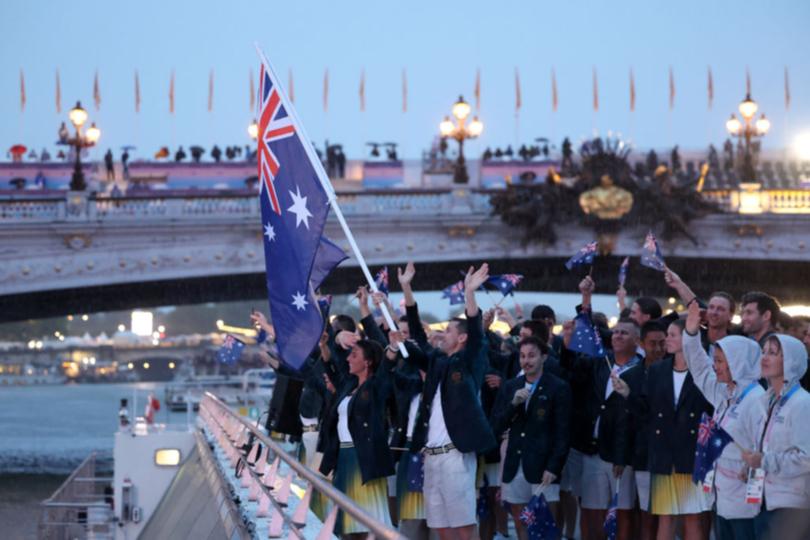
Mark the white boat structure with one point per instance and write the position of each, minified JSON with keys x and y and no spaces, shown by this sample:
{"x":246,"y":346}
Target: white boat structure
{"x":251,"y":389}
{"x":220,"y":477}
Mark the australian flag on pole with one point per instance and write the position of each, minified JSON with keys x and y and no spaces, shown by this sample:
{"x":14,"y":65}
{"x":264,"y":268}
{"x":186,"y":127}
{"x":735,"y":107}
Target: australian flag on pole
{"x":505,"y":283}
{"x":538,"y":519}
{"x":294,"y":208}
{"x":584,"y":256}
{"x":651,"y":254}
{"x":586,"y":339}
{"x":711,"y":441}
{"x":328,"y":256}
{"x":381,"y":280}
{"x":623,"y":271}
{"x":230,"y":351}
{"x":455,"y":293}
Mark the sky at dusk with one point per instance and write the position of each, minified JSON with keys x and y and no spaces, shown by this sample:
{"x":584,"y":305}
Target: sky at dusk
{"x":440,"y":45}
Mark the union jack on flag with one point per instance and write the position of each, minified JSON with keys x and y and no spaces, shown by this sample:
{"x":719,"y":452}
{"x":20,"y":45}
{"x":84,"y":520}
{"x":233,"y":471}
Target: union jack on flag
{"x":651,"y":254}
{"x":584,"y":256}
{"x":274,"y":124}
{"x":455,"y":293}
{"x":381,"y":280}
{"x":705,"y":429}
{"x":505,"y":283}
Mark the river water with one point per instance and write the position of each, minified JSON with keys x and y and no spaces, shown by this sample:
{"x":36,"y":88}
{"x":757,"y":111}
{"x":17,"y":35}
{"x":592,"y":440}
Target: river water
{"x":51,"y":429}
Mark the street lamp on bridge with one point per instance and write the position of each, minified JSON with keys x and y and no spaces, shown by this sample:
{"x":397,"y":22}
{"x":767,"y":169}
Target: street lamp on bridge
{"x":460,"y":131}
{"x":253,"y":130}
{"x":78,"y":117}
{"x":747,"y":130}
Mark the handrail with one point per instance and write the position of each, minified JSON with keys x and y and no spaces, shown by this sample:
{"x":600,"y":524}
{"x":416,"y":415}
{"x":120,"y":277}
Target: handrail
{"x":216,"y":415}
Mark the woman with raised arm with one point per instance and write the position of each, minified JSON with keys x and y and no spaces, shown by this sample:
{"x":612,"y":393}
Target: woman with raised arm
{"x":731,"y":385}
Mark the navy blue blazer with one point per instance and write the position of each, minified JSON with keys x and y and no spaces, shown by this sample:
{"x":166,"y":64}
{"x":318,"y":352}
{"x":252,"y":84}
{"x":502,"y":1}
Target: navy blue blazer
{"x":539,"y":434}
{"x":460,"y":376}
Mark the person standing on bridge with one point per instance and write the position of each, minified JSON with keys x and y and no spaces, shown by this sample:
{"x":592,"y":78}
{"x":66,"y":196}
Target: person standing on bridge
{"x":451,"y":426}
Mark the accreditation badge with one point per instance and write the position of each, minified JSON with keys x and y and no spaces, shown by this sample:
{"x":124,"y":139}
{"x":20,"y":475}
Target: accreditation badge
{"x":755,"y":487}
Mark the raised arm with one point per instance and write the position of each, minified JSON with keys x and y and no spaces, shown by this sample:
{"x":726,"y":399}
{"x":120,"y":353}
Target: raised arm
{"x":683,"y":290}
{"x":473,"y":357}
{"x":698,"y":362}
{"x":411,"y":310}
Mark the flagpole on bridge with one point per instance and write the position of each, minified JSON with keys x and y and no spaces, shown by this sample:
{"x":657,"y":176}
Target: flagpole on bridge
{"x":306,"y":142}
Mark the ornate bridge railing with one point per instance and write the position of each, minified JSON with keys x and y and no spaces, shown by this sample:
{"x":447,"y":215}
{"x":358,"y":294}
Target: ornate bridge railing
{"x":268,"y":474}
{"x":78,"y":207}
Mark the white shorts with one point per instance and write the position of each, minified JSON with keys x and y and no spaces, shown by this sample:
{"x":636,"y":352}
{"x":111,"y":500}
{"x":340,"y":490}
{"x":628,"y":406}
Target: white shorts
{"x":520,"y":491}
{"x":492,"y":472}
{"x":643,"y":489}
{"x":599,"y":485}
{"x":571,"y":480}
{"x":449,"y":489}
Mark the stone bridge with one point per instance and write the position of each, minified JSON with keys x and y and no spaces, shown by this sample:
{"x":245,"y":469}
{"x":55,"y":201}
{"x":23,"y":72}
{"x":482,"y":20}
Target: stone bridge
{"x":75,"y":252}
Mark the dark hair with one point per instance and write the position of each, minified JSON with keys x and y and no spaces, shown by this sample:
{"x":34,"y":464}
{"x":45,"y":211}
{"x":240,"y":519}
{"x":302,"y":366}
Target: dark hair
{"x":539,"y":329}
{"x":625,"y":313}
{"x":372,"y":353}
{"x":403,"y":318}
{"x":764,"y":302}
{"x":533,"y":340}
{"x":344,"y":322}
{"x":599,"y":319}
{"x":680,"y":323}
{"x":775,"y":340}
{"x":649,"y":306}
{"x":463,"y":325}
{"x":732,"y":305}
{"x":543,"y":312}
{"x":652,"y":326}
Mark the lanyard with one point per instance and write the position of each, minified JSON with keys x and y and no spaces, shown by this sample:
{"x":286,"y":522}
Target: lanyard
{"x":736,"y":402}
{"x":775,"y":407}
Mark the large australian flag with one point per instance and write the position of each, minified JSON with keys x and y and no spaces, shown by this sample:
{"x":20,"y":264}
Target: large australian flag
{"x":294,"y":208}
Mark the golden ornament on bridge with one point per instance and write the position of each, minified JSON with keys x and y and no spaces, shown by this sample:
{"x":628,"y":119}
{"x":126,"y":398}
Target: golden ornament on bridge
{"x":606,"y":201}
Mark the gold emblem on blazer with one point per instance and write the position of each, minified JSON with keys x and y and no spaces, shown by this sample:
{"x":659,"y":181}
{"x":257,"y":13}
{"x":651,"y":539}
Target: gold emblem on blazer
{"x":541,"y":413}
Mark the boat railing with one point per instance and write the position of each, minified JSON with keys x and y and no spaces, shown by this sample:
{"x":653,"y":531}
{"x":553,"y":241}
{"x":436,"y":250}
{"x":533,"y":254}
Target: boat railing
{"x":80,"y":508}
{"x":258,"y":460}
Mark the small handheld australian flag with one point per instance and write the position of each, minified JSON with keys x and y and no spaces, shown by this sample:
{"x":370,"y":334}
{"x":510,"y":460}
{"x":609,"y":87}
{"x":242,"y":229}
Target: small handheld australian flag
{"x":230,"y":351}
{"x":586,"y":338}
{"x":651,"y":254}
{"x":584,"y":256}
{"x":538,"y":519}
{"x":455,"y":293}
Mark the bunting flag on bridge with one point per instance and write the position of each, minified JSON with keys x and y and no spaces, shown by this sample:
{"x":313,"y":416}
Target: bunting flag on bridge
{"x":58,"y":93}
{"x":595,"y":92}
{"x":171,"y":94}
{"x":710,"y":88}
{"x":632,"y":91}
{"x":518,"y":99}
{"x":326,"y":90}
{"x":290,"y":86}
{"x":22,"y":90}
{"x":404,"y":91}
{"x":554,"y":98}
{"x":96,"y":92}
{"x":787,"y":90}
{"x":211,"y":91}
{"x":362,"y":90}
{"x":137,"y":93}
{"x":747,"y":81}
{"x":671,"y":89}
{"x":477,"y":90}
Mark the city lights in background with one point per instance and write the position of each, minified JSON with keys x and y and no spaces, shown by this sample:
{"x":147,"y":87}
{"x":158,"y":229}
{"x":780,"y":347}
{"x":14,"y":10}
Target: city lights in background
{"x":141,"y":323}
{"x":801,"y":146}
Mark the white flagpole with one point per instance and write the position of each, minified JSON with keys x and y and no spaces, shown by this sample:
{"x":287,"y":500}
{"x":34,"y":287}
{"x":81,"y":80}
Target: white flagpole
{"x":327,"y":186}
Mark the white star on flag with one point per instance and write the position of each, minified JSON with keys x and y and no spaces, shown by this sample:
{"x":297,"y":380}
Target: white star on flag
{"x":299,"y":208}
{"x":299,"y":301}
{"x":269,"y":232}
